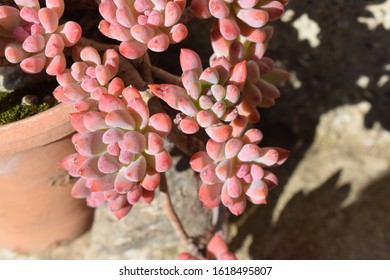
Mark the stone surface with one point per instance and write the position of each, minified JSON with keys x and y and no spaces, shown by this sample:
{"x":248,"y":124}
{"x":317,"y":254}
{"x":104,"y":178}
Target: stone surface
{"x":145,"y":233}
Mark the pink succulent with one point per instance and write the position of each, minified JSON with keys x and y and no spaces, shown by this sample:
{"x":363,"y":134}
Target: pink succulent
{"x":89,"y":77}
{"x":216,"y":250}
{"x":235,"y":17}
{"x":143,"y":24}
{"x":209,"y":98}
{"x":32,"y":36}
{"x":260,"y":86}
{"x":233,"y":172}
{"x":120,"y":152}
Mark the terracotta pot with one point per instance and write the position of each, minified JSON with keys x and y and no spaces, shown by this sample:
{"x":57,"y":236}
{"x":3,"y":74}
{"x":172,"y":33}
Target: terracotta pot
{"x":36,"y":208}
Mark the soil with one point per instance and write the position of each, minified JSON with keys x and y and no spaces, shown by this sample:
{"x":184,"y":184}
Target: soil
{"x":21,"y":95}
{"x":334,"y":117}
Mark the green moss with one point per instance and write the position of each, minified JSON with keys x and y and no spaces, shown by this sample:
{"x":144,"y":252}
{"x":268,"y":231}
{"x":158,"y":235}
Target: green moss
{"x":12,"y":109}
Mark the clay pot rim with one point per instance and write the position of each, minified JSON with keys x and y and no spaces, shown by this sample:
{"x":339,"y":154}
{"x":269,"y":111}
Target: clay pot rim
{"x":38,"y":130}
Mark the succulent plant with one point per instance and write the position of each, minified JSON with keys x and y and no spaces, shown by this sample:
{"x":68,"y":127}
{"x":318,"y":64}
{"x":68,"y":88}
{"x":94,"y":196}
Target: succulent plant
{"x":120,"y":152}
{"x":209,"y":98}
{"x":238,"y":17}
{"x":120,"y":155}
{"x":89,"y":78}
{"x":233,"y":172}
{"x":143,"y":24}
{"x":34,"y":38}
{"x":216,"y":250}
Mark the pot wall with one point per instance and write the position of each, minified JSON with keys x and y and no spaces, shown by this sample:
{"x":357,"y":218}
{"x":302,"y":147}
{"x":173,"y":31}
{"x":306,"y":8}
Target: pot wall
{"x":36,"y":208}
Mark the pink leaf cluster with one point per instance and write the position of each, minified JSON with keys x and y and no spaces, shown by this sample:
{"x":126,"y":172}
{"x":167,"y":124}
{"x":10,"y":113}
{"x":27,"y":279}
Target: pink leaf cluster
{"x":216,"y":250}
{"x":32,"y":36}
{"x":224,"y":99}
{"x":143,"y":24}
{"x":89,"y":77}
{"x":210,"y":98}
{"x":260,"y":86}
{"x":233,"y":172}
{"x":120,"y":152}
{"x":239,"y":17}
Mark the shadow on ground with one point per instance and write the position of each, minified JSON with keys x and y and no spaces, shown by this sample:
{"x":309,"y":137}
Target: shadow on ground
{"x":315,"y":225}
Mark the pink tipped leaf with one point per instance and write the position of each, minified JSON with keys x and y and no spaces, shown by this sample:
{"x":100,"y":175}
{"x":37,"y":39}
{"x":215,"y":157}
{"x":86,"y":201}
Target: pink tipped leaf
{"x":15,"y":53}
{"x":122,"y":184}
{"x":223,"y":170}
{"x":134,"y":142}
{"x":151,"y":179}
{"x":161,"y":162}
{"x":172,"y":14}
{"x":94,"y":120}
{"x":56,"y":65}
{"x":136,"y":170}
{"x":177,"y":33}
{"x":54,"y":46}
{"x":199,"y":160}
{"x":233,"y":187}
{"x":58,"y":6}
{"x":33,"y":64}
{"x":142,"y":33}
{"x":34,"y":43}
{"x":206,"y":118}
{"x":134,"y":195}
{"x":49,"y":19}
{"x":160,"y":123}
{"x":108,"y":164}
{"x":190,"y":60}
{"x":132,"y":49}
{"x":154,"y":143}
{"x":112,"y":135}
{"x":229,"y":28}
{"x":140,"y":112}
{"x":238,"y":75}
{"x":89,"y":169}
{"x":90,"y":144}
{"x":189,"y":126}
{"x":219,"y":133}
{"x":215,"y":150}
{"x":253,"y":17}
{"x":121,"y":119}
{"x":79,"y":189}
{"x":219,"y":8}
{"x":210,"y":195}
{"x":257,"y":192}
{"x":109,"y":103}
{"x":233,"y":147}
{"x":70,"y":33}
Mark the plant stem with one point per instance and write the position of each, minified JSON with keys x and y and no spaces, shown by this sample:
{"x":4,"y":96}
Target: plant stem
{"x":97,"y":45}
{"x":130,"y":75}
{"x":170,"y":211}
{"x":166,"y":76}
{"x":146,"y":70}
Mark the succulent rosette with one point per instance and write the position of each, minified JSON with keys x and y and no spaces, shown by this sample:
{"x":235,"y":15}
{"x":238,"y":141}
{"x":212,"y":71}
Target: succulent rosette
{"x":120,"y":152}
{"x":237,"y":17}
{"x":260,"y":88}
{"x":209,"y":98}
{"x":32,"y":36}
{"x":143,"y":24}
{"x":233,"y":172}
{"x":89,"y":77}
{"x":217,"y":249}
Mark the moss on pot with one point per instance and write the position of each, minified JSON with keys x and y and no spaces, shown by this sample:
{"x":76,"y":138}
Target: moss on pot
{"x":13,"y":108}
